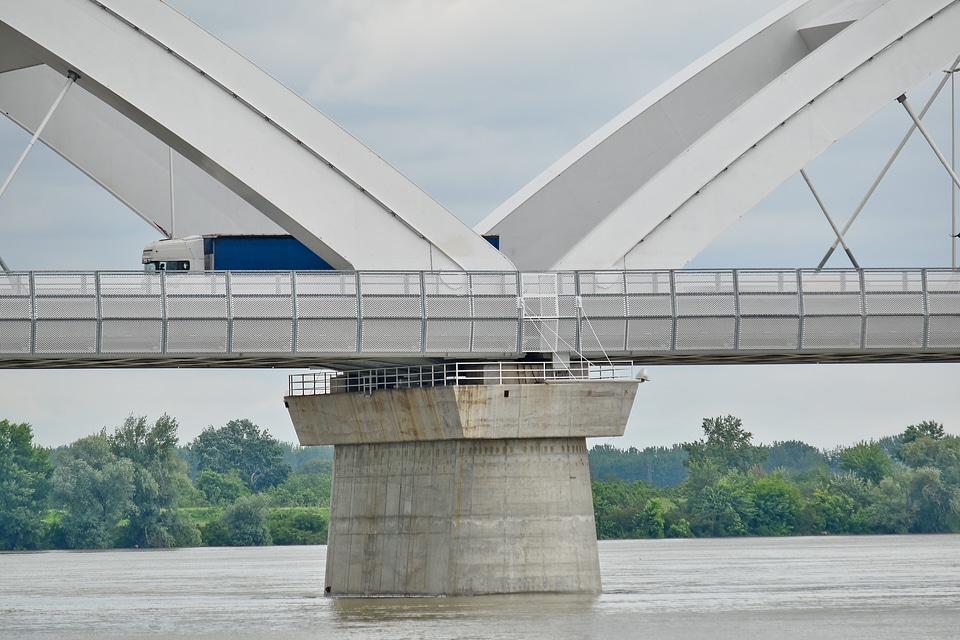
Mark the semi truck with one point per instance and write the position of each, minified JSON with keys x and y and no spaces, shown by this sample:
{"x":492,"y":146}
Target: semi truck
{"x":231,"y":253}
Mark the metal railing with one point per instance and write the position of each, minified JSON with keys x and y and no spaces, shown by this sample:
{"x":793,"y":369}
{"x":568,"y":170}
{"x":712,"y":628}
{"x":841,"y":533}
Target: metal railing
{"x":315,"y":317}
{"x":457,"y":374}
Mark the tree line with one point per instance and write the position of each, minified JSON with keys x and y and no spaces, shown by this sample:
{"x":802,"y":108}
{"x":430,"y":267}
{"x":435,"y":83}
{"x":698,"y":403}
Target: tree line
{"x":137,"y":487}
{"x":237,"y":485}
{"x":724,"y":485}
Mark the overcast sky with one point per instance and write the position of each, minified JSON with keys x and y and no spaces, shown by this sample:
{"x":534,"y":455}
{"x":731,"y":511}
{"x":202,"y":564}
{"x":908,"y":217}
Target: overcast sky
{"x":472,"y":100}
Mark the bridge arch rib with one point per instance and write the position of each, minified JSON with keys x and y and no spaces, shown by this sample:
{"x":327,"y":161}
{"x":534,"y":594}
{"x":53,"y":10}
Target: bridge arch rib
{"x":151,"y":81}
{"x":661,"y":181}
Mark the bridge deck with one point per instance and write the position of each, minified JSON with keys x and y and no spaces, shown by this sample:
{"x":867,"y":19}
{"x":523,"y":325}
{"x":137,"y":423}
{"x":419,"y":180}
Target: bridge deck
{"x":364,"y":319}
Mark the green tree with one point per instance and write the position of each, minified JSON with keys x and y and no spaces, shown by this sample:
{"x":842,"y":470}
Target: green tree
{"x":926,"y":429}
{"x":829,"y":511}
{"x":942,"y":454}
{"x":616,"y":506}
{"x":159,"y":479}
{"x":727,"y":445}
{"x":936,"y":508}
{"x":650,"y":522}
{"x":776,"y":506}
{"x":221,"y":489}
{"x":889,"y":509}
{"x":297,"y":456}
{"x":294,"y":526}
{"x":679,"y":529}
{"x":245,"y":522}
{"x":308,"y":486}
{"x":723,"y":508}
{"x":867,"y":460}
{"x":794,"y":457}
{"x":24,"y":484}
{"x":241,"y":445}
{"x":94,"y":488}
{"x":657,"y":466}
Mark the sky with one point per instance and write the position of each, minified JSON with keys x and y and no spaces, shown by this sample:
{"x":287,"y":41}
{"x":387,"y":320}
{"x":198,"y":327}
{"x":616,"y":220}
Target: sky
{"x":471,"y":100}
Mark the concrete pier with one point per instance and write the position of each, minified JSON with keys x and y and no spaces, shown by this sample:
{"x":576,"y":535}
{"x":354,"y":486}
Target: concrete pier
{"x":465,"y":489}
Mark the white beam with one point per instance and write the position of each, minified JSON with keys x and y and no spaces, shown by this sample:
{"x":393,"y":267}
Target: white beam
{"x":243,"y":128}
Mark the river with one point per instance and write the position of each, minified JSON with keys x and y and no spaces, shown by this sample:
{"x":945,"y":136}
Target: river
{"x":880,"y":588}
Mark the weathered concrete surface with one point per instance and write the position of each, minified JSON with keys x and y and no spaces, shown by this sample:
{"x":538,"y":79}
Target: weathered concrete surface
{"x":570,"y":409}
{"x":460,"y":490}
{"x":462,"y":517}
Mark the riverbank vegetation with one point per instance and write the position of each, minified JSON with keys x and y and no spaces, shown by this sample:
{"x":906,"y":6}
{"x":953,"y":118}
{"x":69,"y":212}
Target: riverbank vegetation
{"x":724,"y":485}
{"x":237,"y":485}
{"x":138,"y":487}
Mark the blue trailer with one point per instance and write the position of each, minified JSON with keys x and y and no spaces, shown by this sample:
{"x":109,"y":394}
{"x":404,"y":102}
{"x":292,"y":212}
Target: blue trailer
{"x":232,"y":253}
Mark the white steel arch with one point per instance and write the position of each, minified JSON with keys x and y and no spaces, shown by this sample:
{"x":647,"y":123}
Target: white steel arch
{"x":661,"y":181}
{"x":156,"y":93}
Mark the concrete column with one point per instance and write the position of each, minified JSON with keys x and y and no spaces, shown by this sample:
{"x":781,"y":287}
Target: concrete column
{"x":462,"y":490}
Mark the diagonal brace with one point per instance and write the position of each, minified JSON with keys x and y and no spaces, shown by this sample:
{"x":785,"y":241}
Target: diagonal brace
{"x":923,"y":130}
{"x":887,"y":167}
{"x":72,"y":77}
{"x":833,"y":225}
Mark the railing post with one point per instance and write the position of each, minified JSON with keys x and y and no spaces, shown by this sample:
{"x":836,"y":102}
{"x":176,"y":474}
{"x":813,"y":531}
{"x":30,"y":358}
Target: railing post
{"x":98,"y":339}
{"x":577,"y":338}
{"x":800,"y":311}
{"x":926,"y":309}
{"x":423,"y":314}
{"x":357,"y":278}
{"x":521,"y":311}
{"x":626,"y":312}
{"x":295,"y":310}
{"x":736,"y":310}
{"x":33,"y":314}
{"x":673,"y":311}
{"x":229,"y":292}
{"x":863,"y":311}
{"x":164,"y":318}
{"x":473,"y":312}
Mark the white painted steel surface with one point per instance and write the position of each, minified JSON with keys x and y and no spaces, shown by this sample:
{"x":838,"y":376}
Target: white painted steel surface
{"x":151,"y":80}
{"x":353,"y":319}
{"x":657,"y":184}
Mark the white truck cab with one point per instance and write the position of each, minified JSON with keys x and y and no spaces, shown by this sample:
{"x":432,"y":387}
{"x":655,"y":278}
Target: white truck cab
{"x":177,"y":254}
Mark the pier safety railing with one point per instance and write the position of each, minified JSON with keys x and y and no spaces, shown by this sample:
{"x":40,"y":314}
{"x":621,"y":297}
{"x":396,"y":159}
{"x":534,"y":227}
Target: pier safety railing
{"x":201,"y":317}
{"x":451,"y":374}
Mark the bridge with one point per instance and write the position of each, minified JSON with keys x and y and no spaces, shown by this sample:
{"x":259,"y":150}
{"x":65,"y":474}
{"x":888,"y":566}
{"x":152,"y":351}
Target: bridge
{"x":475,"y":481}
{"x":364,"y":319}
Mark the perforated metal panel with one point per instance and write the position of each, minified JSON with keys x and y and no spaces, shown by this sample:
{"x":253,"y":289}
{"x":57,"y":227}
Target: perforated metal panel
{"x":15,"y":308}
{"x":943,"y":331}
{"x":495,"y":336}
{"x":131,"y":336}
{"x":832,"y":332}
{"x":327,"y":335}
{"x":16,"y":336}
{"x":705,"y":333}
{"x":394,"y":335}
{"x":66,"y":336}
{"x":16,"y":313}
{"x":197,"y":336}
{"x":391,"y":313}
{"x":649,"y":334}
{"x":769,"y":333}
{"x":262,"y":336}
{"x":888,"y":332}
{"x":607,"y":335}
{"x":449,"y":336}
